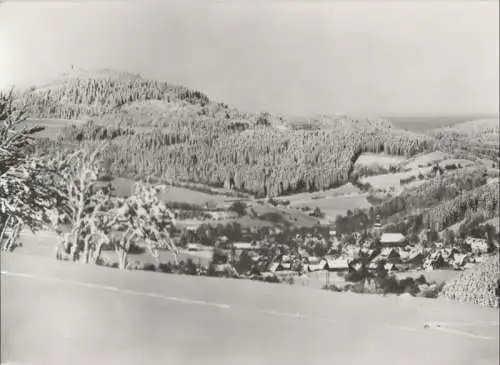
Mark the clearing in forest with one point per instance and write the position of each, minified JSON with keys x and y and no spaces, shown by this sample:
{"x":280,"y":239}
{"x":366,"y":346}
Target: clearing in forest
{"x":386,"y":161}
{"x":333,"y":206}
{"x":426,"y":159}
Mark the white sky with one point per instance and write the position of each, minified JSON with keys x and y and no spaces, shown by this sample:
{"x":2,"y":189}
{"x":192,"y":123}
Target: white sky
{"x":298,"y":57}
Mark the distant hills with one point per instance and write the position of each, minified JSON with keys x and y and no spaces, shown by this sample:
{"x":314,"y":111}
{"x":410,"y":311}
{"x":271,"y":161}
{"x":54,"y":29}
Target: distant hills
{"x":422,"y":123}
{"x":182,"y":134}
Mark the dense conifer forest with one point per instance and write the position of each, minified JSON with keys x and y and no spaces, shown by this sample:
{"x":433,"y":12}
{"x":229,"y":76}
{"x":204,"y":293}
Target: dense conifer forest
{"x":219,"y":146}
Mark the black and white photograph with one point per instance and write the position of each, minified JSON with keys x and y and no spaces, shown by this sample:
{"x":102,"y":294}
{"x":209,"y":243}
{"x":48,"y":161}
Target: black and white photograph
{"x":249,"y":182}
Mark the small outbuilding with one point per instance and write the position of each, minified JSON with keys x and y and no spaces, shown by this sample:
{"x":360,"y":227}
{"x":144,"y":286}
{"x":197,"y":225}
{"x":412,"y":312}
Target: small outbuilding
{"x":244,"y":246}
{"x":193,"y":247}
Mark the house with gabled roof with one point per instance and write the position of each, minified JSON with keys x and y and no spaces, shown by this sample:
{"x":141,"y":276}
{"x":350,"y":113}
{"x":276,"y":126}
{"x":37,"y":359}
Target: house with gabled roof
{"x":393,"y":239}
{"x":274,"y":266}
{"x":315,"y":264}
{"x":336,"y":264}
{"x":390,"y":254}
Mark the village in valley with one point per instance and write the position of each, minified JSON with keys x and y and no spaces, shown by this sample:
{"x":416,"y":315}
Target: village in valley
{"x":406,"y":214}
{"x":322,"y":250}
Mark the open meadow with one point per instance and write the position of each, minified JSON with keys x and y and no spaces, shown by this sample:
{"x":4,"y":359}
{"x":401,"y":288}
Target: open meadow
{"x":61,"y":313}
{"x":124,"y":187}
{"x":52,"y":127}
{"x":332,"y":206}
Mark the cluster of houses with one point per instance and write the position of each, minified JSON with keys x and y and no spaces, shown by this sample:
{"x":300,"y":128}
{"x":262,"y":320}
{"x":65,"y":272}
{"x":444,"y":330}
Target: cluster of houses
{"x":390,"y":258}
{"x":393,"y":254}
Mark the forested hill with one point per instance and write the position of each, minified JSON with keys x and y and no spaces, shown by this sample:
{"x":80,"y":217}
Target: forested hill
{"x":95,"y":94}
{"x":437,"y":203}
{"x":185,"y":136}
{"x":479,"y":137}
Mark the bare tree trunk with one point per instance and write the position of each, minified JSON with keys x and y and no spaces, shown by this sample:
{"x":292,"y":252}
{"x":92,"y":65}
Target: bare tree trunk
{"x":122,"y":253}
{"x":122,"y":259}
{"x":97,"y":253}
{"x":62,"y":246}
{"x":156,"y":256}
{"x":75,"y":235}
{"x":153,"y":250}
{"x":176,"y":261}
{"x":60,"y":249}
{"x":86,"y":249}
{"x":13,"y":236}
{"x":5,"y":223}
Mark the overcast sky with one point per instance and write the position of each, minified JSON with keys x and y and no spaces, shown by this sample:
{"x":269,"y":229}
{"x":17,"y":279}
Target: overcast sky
{"x":296,"y":57}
